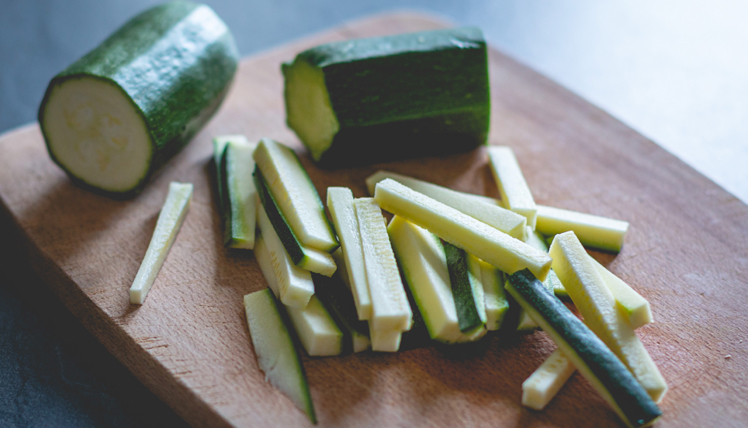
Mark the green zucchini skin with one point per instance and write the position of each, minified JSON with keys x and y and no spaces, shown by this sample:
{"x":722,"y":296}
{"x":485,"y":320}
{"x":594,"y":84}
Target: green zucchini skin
{"x":286,"y":235}
{"x":338,"y":301}
{"x":174,"y":62}
{"x":462,"y":290}
{"x":403,"y":96}
{"x":634,"y":404}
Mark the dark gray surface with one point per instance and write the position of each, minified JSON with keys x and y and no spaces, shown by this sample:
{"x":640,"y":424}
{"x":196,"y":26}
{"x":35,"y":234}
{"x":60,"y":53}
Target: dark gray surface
{"x":674,"y":71}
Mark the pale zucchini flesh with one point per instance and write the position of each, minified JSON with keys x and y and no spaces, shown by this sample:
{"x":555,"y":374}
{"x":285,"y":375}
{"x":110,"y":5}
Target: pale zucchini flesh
{"x":239,"y":201}
{"x":594,"y":360}
{"x":390,"y":308}
{"x":515,"y":193}
{"x":421,"y":257}
{"x":597,"y":305}
{"x":295,"y":286}
{"x":169,"y":222}
{"x":477,"y":238}
{"x":593,"y":231}
{"x":493,"y":215}
{"x":545,"y":382}
{"x":276,"y":350}
{"x":305,"y":257}
{"x":343,"y":213}
{"x":494,"y":295}
{"x":634,"y":307}
{"x":296,"y":196}
{"x":317,"y":331}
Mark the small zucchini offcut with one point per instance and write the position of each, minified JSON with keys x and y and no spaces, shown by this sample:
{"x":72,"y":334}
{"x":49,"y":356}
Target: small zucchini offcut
{"x":594,"y":360}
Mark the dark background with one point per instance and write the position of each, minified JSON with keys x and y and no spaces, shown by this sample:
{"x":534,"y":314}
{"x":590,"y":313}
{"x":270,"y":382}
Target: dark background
{"x":677,"y":71}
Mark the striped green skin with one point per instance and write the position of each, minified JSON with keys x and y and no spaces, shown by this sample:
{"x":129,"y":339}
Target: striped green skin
{"x":590,"y":355}
{"x":338,"y":301}
{"x":462,"y":288}
{"x":174,"y":62}
{"x":403,"y":96}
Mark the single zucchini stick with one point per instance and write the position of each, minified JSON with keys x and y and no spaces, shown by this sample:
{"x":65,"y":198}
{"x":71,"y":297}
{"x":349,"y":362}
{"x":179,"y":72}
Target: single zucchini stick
{"x":295,"y":195}
{"x":338,"y":300}
{"x":634,"y":307}
{"x":475,"y":237}
{"x":534,"y":239}
{"x":169,"y":222}
{"x":237,"y":192}
{"x":340,"y":204}
{"x":276,"y":348}
{"x":506,"y":221}
{"x":594,"y":360}
{"x":593,"y":231}
{"x":423,"y":261}
{"x":515,"y":194}
{"x":305,"y":257}
{"x":556,"y":284}
{"x":466,"y":289}
{"x":596,"y":303}
{"x":540,"y":388}
{"x":295,"y":286}
{"x":497,"y":304}
{"x":390,"y":308}
{"x":114,"y":116}
{"x":545,"y":382}
{"x":407,"y":95}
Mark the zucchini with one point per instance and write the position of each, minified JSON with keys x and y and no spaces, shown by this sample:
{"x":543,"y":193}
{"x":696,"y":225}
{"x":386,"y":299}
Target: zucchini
{"x":302,"y":256}
{"x":276,"y":348}
{"x":593,"y":231}
{"x":295,"y":195}
{"x":408,"y":95}
{"x":545,"y":382}
{"x":633,"y":306}
{"x":534,"y":239}
{"x":422,"y":260}
{"x":515,"y":194}
{"x":466,"y":289}
{"x":316,"y":329}
{"x":340,"y":204}
{"x":236,"y":191}
{"x":597,"y":305}
{"x":121,"y":111}
{"x":506,"y":221}
{"x":391,"y":313}
{"x":495,"y":299}
{"x":475,"y":237}
{"x":594,"y":360}
{"x":169,"y":222}
{"x":294,"y":284}
{"x":338,"y":301}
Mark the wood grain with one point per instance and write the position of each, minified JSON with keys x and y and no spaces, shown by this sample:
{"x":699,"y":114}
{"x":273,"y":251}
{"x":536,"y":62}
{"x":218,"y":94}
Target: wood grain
{"x":686,"y":251}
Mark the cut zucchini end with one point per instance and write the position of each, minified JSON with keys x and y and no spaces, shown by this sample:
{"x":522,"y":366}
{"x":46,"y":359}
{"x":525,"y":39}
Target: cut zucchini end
{"x":95,"y":133}
{"x":308,"y":110}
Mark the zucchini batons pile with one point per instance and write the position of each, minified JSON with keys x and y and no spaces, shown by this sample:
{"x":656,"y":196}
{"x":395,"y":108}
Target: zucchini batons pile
{"x":462,"y":265}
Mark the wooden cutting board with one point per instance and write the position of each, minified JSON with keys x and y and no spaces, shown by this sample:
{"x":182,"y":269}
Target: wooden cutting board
{"x":686,"y":251}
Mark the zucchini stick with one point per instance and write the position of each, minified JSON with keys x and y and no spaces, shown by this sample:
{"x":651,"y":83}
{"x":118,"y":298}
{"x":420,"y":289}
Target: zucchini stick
{"x":169,"y":222}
